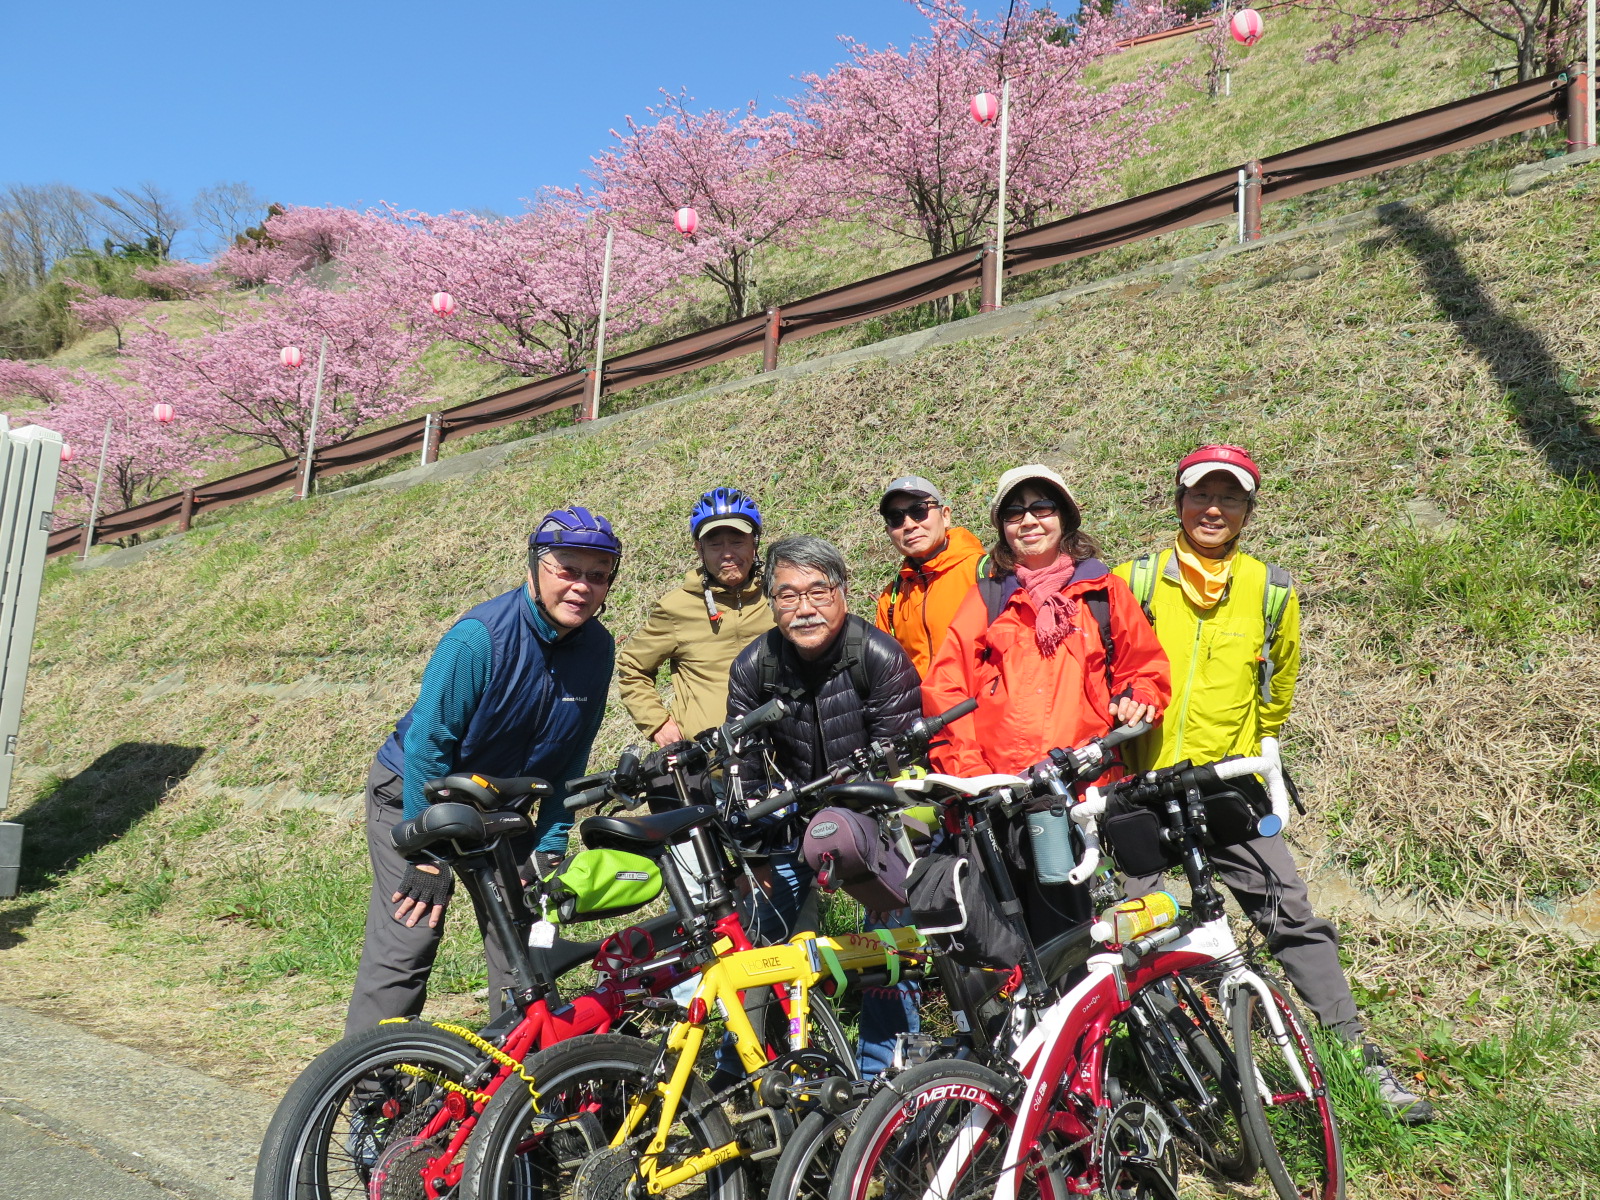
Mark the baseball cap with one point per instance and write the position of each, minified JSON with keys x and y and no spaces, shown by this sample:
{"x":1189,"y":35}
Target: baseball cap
{"x":744,"y":523}
{"x":1032,"y":473}
{"x":914,"y":485}
{"x":1235,"y":460}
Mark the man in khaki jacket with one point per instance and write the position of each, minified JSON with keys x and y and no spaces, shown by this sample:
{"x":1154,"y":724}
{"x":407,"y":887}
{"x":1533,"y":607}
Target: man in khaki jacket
{"x":700,"y":627}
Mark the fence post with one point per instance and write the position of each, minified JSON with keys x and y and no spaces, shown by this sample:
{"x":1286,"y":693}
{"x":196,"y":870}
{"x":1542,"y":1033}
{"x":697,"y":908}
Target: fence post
{"x":186,"y":511}
{"x":431,"y":431}
{"x":1579,"y":135}
{"x":769,"y":344}
{"x":85,"y":540}
{"x":1249,"y":202}
{"x":988,"y":277}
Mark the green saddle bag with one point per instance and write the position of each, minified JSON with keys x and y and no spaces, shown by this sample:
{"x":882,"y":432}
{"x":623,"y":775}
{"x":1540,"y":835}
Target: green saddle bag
{"x":592,"y":885}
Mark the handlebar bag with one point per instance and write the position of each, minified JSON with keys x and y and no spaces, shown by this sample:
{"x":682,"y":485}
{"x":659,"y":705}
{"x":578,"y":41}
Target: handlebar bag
{"x":954,"y":908}
{"x":592,"y":885}
{"x":849,"y":850}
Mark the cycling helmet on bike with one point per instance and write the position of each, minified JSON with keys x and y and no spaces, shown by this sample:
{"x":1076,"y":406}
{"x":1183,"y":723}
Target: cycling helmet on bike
{"x":724,"y":507}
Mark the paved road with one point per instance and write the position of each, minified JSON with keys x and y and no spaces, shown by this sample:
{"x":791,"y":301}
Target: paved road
{"x":36,"y":1164}
{"x":82,"y":1117}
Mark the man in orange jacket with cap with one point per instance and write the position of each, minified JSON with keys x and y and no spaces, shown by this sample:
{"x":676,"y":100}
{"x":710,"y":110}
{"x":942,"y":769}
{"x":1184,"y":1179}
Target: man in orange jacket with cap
{"x":939,"y":566}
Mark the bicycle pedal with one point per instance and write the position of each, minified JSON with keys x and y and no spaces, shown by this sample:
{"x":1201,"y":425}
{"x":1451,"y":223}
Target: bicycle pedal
{"x":777,"y":1122}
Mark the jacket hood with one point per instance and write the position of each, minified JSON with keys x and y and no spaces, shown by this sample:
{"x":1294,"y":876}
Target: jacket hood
{"x":960,"y":545}
{"x":693,"y":584}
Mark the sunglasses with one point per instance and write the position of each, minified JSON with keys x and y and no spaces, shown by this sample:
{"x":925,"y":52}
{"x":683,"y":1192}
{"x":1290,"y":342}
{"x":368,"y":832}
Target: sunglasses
{"x":896,"y":517}
{"x":1039,"y":508}
{"x":566,"y":574}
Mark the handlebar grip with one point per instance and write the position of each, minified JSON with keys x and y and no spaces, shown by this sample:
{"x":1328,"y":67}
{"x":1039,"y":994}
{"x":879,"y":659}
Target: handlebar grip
{"x":587,"y":797}
{"x":1124,"y":733}
{"x":773,"y":710}
{"x":954,"y":714}
{"x":771,"y":805}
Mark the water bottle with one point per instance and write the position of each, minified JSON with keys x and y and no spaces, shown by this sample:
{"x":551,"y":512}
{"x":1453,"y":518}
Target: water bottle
{"x":1050,"y":831}
{"x":1135,"y":918}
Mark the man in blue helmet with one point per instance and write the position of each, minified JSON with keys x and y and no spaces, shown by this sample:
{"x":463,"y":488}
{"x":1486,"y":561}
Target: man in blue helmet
{"x":698,"y":628}
{"x":517,"y":686}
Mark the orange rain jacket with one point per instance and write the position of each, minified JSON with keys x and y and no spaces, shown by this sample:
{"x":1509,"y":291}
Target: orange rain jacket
{"x":1029,"y":704}
{"x":920,"y":602}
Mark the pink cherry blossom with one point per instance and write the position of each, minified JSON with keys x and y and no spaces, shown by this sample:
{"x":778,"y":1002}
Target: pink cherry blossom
{"x":907,"y":155}
{"x":739,"y":171}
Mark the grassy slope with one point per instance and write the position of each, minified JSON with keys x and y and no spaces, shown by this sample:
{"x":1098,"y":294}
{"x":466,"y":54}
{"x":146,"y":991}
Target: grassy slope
{"x":1418,"y":403}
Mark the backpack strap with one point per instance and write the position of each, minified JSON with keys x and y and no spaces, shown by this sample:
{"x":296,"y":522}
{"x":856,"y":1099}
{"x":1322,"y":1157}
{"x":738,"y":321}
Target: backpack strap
{"x":896,"y":586}
{"x":996,"y":592}
{"x":1142,"y":573}
{"x":1098,"y":602}
{"x":1274,"y":602}
{"x":855,"y":650}
{"x":767,"y":667}
{"x":982,"y":571}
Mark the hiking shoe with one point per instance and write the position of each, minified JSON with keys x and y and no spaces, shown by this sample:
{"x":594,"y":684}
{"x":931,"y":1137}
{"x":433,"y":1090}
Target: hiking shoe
{"x":1408,"y":1107}
{"x":362,"y":1141}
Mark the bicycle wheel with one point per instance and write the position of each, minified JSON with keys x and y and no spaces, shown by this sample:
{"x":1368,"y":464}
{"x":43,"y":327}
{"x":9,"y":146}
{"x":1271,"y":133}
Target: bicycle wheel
{"x":1292,"y":1126}
{"x":939,"y":1126}
{"x":812,"y":1154}
{"x":1188,"y":1070}
{"x":585,"y":1086}
{"x":357,"y":1111}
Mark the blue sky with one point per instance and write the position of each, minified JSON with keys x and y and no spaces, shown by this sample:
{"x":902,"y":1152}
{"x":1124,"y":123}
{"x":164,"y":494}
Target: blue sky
{"x":469,"y":105}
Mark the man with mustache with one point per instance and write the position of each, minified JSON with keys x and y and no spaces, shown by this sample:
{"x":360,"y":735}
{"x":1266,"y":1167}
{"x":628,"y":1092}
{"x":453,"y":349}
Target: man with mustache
{"x":847,"y":684}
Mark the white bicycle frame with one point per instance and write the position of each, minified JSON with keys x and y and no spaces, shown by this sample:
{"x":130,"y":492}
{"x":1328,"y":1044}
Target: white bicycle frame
{"x":1210,"y":942}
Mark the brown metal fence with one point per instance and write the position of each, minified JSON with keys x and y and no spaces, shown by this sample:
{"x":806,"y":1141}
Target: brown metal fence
{"x":1449,"y":127}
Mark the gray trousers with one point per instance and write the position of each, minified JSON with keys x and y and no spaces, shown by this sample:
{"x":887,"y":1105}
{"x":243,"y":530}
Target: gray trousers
{"x":392,"y":980}
{"x":1305,"y":945}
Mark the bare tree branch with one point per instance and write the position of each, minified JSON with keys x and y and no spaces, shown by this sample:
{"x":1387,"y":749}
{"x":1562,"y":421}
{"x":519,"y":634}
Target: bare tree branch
{"x":223,"y":211}
{"x":143,"y":217}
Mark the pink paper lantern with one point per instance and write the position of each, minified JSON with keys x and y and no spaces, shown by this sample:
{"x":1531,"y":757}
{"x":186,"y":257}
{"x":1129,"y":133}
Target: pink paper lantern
{"x":985,"y":107}
{"x":443,"y":304}
{"x":1246,"y":27}
{"x":686,"y":221}
{"x":163,"y":412}
{"x":290,"y":356}
{"x":67,"y":452}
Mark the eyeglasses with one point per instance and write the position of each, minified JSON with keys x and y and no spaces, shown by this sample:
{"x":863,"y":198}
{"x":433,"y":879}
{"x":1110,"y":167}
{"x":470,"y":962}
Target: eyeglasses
{"x":821,"y":595}
{"x":896,"y":517}
{"x":1012,"y":513}
{"x":566,"y":574}
{"x":1226,"y":503}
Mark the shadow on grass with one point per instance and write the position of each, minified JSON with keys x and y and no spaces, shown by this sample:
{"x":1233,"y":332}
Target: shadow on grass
{"x":78,"y":815}
{"x":1522,"y":361}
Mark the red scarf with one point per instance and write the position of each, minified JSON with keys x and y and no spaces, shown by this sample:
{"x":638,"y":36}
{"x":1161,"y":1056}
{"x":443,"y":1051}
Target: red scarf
{"x":1055,"y":610}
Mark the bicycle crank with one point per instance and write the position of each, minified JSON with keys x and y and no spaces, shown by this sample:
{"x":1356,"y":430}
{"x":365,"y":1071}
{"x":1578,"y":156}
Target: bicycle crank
{"x":1138,"y":1157}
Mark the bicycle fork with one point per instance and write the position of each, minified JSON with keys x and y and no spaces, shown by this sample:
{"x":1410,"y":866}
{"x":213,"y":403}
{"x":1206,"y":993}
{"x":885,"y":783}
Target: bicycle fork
{"x":1240,"y":979}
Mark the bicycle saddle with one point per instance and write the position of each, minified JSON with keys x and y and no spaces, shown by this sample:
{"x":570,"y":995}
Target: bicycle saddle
{"x":643,"y":835}
{"x":485,"y":791}
{"x":450,"y":821}
{"x":867,"y":793}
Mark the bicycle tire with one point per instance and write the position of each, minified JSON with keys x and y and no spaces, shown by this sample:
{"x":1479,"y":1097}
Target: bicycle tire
{"x":1195,"y":1081}
{"x":805,"y":1169}
{"x":313,"y":1150}
{"x":1295,"y":1133}
{"x":903,"y":1133}
{"x":601,"y":1072}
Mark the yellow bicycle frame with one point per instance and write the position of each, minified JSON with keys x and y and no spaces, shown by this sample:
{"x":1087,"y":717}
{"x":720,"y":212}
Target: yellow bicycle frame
{"x":798,"y":964}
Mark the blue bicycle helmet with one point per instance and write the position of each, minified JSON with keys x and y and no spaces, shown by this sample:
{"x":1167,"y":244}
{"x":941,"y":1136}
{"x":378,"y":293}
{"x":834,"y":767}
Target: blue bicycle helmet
{"x":724,"y":503}
{"x":575,"y":528}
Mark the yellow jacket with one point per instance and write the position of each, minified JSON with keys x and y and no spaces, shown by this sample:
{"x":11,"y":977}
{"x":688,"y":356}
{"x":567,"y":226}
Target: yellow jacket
{"x":700,"y":651}
{"x":1216,"y":707}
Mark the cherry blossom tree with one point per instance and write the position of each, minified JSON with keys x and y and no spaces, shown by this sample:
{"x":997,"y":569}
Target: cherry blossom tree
{"x":95,"y":311}
{"x":291,"y":241}
{"x":527,"y":288}
{"x":740,"y":171}
{"x":907,"y":154}
{"x":1543,"y":33}
{"x":144,"y":458}
{"x":233,"y":382}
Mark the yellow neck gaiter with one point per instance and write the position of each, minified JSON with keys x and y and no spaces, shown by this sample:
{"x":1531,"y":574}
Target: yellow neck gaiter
{"x":1203,"y":579}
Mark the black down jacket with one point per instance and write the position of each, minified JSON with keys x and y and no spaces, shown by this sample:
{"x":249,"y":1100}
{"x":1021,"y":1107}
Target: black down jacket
{"x":831,"y":720}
